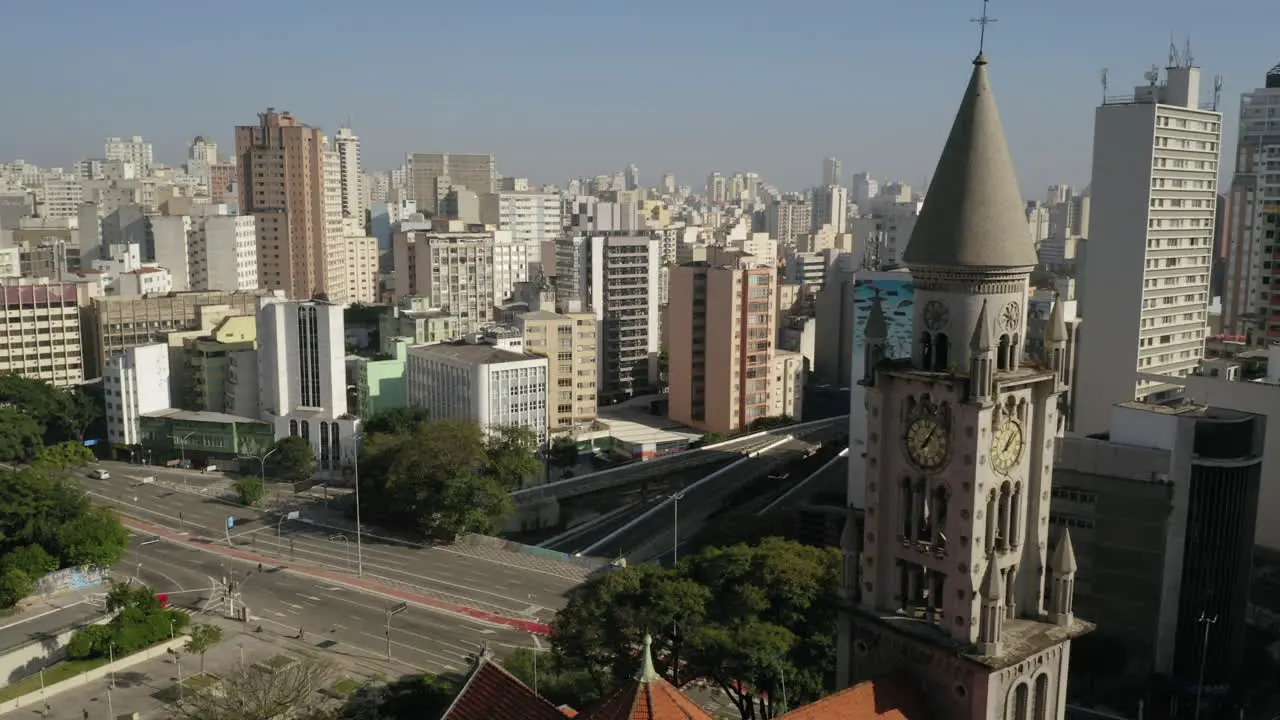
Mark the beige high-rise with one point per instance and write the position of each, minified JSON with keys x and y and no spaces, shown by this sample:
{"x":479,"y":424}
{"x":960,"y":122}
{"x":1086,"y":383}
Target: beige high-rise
{"x":568,"y":341}
{"x":721,"y":322}
{"x":281,"y":165}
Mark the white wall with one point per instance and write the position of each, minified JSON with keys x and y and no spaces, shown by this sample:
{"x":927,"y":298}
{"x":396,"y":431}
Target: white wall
{"x":135,"y":382}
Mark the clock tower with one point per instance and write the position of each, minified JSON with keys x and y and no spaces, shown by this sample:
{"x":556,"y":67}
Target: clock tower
{"x":949,"y":574}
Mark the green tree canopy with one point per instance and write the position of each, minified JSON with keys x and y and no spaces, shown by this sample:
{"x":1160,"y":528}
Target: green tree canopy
{"x":95,"y":537}
{"x":62,"y":415}
{"x":249,"y":489}
{"x":396,"y":420}
{"x":63,"y":456}
{"x":21,"y":436}
{"x":292,"y":460}
{"x":563,"y":451}
{"x":512,"y":452}
{"x":749,"y":618}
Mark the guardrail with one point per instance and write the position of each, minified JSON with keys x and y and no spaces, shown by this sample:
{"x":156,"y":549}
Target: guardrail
{"x":610,"y":477}
{"x":800,"y":485}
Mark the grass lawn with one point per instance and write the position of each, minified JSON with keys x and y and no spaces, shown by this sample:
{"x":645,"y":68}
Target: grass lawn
{"x":58,"y":672}
{"x":201,"y":681}
{"x":345,"y":686}
{"x":279,"y":662}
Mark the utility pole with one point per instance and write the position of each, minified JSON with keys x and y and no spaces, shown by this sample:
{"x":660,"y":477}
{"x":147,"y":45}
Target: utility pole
{"x":675,"y":527}
{"x":392,"y":611}
{"x":1207,"y":622}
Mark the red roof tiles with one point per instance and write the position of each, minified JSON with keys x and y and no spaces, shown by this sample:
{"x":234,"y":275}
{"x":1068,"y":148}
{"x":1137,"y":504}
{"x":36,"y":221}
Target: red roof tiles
{"x":653,"y":700}
{"x":892,"y":697}
{"x":492,"y":693}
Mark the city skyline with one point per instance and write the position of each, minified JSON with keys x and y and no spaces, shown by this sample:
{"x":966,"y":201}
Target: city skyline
{"x":565,"y":114}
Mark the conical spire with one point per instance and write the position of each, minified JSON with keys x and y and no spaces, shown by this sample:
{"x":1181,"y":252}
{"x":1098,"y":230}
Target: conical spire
{"x":981,"y":340}
{"x":991,"y":589}
{"x":973,"y":214}
{"x":647,"y":673}
{"x":1064,"y":556}
{"x":1056,"y":331}
{"x":877,"y":328}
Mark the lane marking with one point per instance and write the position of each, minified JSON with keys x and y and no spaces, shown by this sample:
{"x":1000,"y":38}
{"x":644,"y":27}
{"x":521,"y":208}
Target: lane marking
{"x":37,"y":617}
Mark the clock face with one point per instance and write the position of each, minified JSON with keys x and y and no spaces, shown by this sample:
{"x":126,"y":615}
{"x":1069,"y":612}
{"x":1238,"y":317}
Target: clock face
{"x":936,"y":315}
{"x":1011,"y":316}
{"x":927,"y":443}
{"x":1006,"y":445}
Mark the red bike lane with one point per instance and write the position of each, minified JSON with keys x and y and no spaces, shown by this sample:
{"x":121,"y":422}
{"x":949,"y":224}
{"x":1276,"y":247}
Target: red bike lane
{"x":357,"y":583}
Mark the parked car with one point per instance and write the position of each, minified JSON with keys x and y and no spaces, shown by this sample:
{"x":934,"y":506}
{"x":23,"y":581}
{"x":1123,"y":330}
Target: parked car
{"x":100,"y":475}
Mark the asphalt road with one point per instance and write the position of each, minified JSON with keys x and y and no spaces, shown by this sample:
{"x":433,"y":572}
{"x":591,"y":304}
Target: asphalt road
{"x":699,"y":501}
{"x":21,"y":630}
{"x":334,"y":619}
{"x":522,"y":591}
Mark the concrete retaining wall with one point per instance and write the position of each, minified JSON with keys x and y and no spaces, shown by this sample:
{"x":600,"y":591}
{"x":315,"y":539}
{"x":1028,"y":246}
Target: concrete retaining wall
{"x":41,"y":696}
{"x":591,"y":563}
{"x":25,"y":660}
{"x":76,"y":578}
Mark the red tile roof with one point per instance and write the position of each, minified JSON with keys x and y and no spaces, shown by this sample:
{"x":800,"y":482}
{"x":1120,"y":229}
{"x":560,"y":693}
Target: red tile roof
{"x":653,"y":700}
{"x":492,"y":693}
{"x":892,"y":697}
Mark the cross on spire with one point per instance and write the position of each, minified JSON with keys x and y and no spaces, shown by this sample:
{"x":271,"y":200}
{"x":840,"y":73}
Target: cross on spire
{"x":983,"y":22}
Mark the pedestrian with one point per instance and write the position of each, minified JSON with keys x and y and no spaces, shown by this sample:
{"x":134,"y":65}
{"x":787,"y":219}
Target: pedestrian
{"x":299,"y":632}
{"x":85,"y":712}
{"x":259,"y":567}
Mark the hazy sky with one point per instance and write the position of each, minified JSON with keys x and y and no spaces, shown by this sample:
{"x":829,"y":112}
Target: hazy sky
{"x":566,"y":88}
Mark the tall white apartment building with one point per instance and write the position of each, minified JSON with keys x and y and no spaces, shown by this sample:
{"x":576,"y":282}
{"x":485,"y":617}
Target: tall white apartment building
{"x":789,"y":217}
{"x":202,"y":155}
{"x":224,"y":252}
{"x":617,"y":277}
{"x":480,"y":384}
{"x":302,"y":379}
{"x":465,"y":269}
{"x":830,"y":206}
{"x":832,"y":170}
{"x":171,"y":234}
{"x":335,"y":242}
{"x":134,"y":383}
{"x":1146,"y":275}
{"x":361,"y":263}
{"x":531,"y":217}
{"x":1253,"y":232}
{"x":134,"y":150}
{"x":353,"y":200}
{"x":144,"y":281}
{"x":59,"y":196}
{"x":717,"y":190}
{"x":40,"y":331}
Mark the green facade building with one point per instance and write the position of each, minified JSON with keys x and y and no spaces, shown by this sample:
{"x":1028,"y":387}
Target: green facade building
{"x":202,"y":437}
{"x":379,"y":384}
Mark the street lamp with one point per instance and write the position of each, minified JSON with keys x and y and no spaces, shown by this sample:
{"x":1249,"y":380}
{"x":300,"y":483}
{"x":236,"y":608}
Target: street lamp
{"x":675,"y":527}
{"x":346,"y":544}
{"x":262,"y":463}
{"x":1207,"y":622}
{"x":392,"y":611}
{"x":355,"y":466}
{"x":182,"y":445}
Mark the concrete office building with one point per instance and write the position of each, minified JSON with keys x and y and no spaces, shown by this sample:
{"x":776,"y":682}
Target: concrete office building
{"x":135,"y":151}
{"x":720,"y":335}
{"x":830,"y":206}
{"x":40,"y":331}
{"x":352,"y":200}
{"x":466,"y":270}
{"x":789,"y":217}
{"x":144,"y":281}
{"x":480,"y":384}
{"x":136,"y":382}
{"x":1254,"y":217}
{"x":1162,"y":512}
{"x":1146,"y":279}
{"x":170,"y":235}
{"x":303,"y":382}
{"x":282,"y":185}
{"x":415,"y":321}
{"x":224,"y":252}
{"x":531,"y":217}
{"x":59,"y":197}
{"x":207,"y":361}
{"x":832,"y":172}
{"x":569,"y":342}
{"x":477,"y":173}
{"x":615,"y":276}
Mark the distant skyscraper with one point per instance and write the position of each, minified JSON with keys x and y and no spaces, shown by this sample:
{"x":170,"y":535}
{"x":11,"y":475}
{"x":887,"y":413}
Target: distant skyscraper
{"x":668,"y":184}
{"x":831,"y":207}
{"x":1253,"y":228}
{"x":865,"y":187}
{"x":1146,"y":271}
{"x":281,"y":166}
{"x":202,"y":155}
{"x":133,"y":150}
{"x":832,"y":171}
{"x":477,"y":173}
{"x":348,"y":146}
{"x":716,"y":188}
{"x":632,"y":177}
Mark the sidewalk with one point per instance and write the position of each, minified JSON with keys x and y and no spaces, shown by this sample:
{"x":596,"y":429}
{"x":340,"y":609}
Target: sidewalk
{"x":356,"y":583}
{"x":149,"y":687}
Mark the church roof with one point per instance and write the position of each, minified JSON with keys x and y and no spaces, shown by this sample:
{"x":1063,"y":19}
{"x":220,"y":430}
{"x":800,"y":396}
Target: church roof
{"x":1056,"y":331}
{"x":492,"y":693}
{"x":991,"y":589}
{"x":892,"y":697}
{"x":973,"y":213}
{"x":1064,"y":555}
{"x":647,"y":697}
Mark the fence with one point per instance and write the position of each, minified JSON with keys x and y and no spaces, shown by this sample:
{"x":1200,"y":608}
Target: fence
{"x":76,"y":578}
{"x":591,"y":563}
{"x":83,"y":679}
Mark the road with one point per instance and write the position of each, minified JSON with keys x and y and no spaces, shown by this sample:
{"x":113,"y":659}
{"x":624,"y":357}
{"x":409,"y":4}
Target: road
{"x":652,"y":535}
{"x":334,"y":619}
{"x":495,"y":581}
{"x":21,"y":630}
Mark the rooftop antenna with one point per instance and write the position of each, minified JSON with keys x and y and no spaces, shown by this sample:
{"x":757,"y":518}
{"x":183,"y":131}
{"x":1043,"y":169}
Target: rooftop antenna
{"x":1174,"y":60}
{"x":1103,"y":74}
{"x":983,"y":22}
{"x":1217,"y":90}
{"x":1152,"y":76}
{"x":1188,"y":59}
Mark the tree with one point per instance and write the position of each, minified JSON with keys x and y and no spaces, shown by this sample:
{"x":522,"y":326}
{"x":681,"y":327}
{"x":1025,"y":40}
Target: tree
{"x":512,"y":452}
{"x":249,"y":489}
{"x":203,"y":637}
{"x":423,"y":697}
{"x":563,"y":451}
{"x":14,"y":586}
{"x":30,"y":559}
{"x":95,"y":537}
{"x":252,"y":692}
{"x":293,"y":460}
{"x":396,"y":420}
{"x":710,"y":438}
{"x":21,"y":436}
{"x":748,"y":618}
{"x":62,"y":415}
{"x":63,"y":456}
{"x":139,"y":621}
{"x":555,"y":682}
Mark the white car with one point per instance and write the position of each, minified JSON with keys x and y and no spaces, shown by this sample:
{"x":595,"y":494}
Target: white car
{"x":100,"y":475}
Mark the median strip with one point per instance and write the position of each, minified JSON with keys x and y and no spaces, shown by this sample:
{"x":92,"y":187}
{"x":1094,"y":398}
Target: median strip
{"x":420,"y":599}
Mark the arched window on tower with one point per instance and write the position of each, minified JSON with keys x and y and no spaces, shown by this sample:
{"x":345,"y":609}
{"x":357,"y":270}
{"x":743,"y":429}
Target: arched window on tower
{"x":1014,"y":359}
{"x":925,"y":522}
{"x":940,"y":517}
{"x":907,"y":509}
{"x":926,"y":350}
{"x":1002,"y":523}
{"x":1003,"y":354}
{"x":306,"y":430}
{"x":992,"y":525}
{"x":1020,"y":705}
{"x":940,"y":352}
{"x":293,"y":428}
{"x":1042,"y":698}
{"x":1015,"y":517}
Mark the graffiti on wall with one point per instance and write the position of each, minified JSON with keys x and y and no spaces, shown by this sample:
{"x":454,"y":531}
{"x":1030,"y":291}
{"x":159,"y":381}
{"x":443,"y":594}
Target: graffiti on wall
{"x":68,"y":579}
